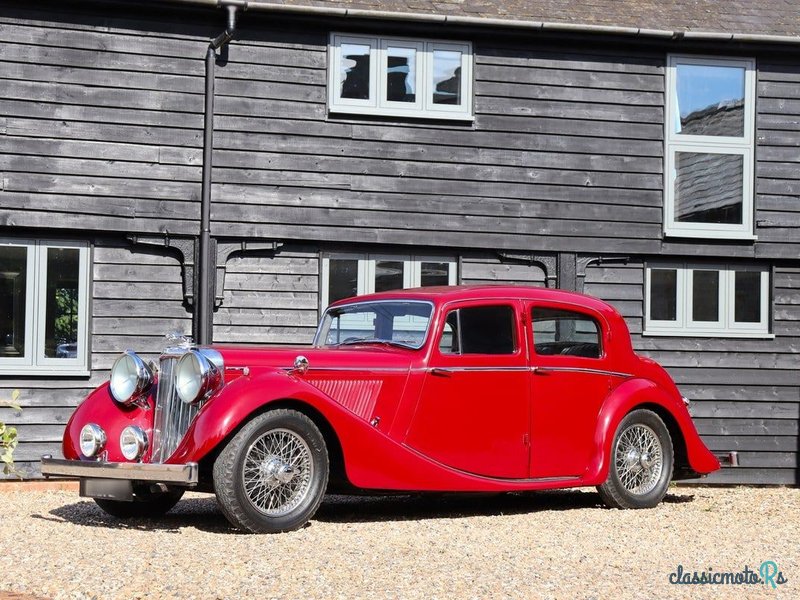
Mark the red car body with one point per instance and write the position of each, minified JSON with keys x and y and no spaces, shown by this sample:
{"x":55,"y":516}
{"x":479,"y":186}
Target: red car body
{"x":424,"y":420}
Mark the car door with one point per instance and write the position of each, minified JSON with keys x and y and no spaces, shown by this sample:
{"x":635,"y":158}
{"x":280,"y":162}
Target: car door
{"x":473,"y":412}
{"x":570,"y":380}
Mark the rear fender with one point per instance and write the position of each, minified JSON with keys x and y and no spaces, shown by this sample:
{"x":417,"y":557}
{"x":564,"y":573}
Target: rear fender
{"x":628,"y":396}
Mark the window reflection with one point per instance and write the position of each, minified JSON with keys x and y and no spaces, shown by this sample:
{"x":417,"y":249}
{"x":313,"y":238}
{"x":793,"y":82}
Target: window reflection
{"x":355,"y":71}
{"x":705,"y":296}
{"x":710,"y":100}
{"x":435,"y":273}
{"x":401,"y":74}
{"x":446,"y":77}
{"x":13,"y":284}
{"x":663,"y":294}
{"x":342,"y":279}
{"x":388,"y":275}
{"x":61,"y":321}
{"x":748,"y":297}
{"x":708,"y":187}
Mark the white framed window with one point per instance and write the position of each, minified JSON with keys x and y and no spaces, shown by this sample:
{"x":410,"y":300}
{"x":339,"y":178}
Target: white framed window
{"x":709,"y":132}
{"x":400,"y":77}
{"x":44,"y":307}
{"x":345,"y":275}
{"x":707,"y":300}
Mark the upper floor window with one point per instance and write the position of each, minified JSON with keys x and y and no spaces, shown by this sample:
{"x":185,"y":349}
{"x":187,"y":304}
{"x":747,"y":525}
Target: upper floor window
{"x":707,"y":300}
{"x":400,"y":77}
{"x":346,"y":275}
{"x":44,"y":290}
{"x":709,"y":154}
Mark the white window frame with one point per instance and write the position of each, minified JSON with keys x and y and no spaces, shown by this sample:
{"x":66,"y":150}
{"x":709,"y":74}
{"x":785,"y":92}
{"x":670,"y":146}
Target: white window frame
{"x":423,"y":107}
{"x":33,"y":361}
{"x":741,"y":146}
{"x":684,"y":325}
{"x":412,"y":270}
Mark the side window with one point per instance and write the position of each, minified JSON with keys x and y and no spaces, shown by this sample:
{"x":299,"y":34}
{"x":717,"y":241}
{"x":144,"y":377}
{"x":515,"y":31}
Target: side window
{"x":565,"y":332}
{"x":479,"y":330}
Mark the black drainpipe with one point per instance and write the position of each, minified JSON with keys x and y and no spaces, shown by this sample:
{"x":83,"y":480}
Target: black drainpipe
{"x":204,"y":301}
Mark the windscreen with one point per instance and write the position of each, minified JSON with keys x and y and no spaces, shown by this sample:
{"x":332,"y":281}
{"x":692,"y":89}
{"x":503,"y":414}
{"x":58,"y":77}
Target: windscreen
{"x":402,"y":323}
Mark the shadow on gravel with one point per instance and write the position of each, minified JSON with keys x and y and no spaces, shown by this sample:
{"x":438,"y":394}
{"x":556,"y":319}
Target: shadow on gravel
{"x":204,"y":515}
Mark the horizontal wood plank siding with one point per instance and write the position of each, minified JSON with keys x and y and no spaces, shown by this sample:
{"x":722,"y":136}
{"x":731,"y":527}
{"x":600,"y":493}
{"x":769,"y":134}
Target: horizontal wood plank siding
{"x":125,"y":314}
{"x":479,"y":268}
{"x":270,"y":300}
{"x":745,"y":393}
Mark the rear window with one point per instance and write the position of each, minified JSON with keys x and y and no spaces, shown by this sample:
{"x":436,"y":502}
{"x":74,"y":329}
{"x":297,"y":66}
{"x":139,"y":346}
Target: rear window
{"x":565,"y":332}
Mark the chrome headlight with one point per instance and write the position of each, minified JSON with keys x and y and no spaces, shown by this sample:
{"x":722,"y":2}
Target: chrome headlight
{"x":196,"y":377}
{"x":133,"y":442}
{"x":93,"y":440}
{"x":131,"y":378}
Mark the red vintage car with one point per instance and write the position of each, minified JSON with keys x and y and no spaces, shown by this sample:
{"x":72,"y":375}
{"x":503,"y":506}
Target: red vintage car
{"x":462,"y":389}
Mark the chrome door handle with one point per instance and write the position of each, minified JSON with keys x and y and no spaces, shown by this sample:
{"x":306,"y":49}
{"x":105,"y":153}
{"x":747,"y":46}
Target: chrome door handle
{"x":542,"y":371}
{"x":441,"y":372}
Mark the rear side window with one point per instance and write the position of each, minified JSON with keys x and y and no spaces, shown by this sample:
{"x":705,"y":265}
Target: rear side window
{"x":479,"y":330}
{"x":565,"y":332}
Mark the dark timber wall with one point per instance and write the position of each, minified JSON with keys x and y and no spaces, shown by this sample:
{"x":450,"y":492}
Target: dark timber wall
{"x":101,"y":137}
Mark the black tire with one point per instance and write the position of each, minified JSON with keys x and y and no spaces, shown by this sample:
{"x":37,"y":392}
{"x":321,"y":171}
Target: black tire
{"x":146,"y":504}
{"x":256,"y":468}
{"x":634,"y":479}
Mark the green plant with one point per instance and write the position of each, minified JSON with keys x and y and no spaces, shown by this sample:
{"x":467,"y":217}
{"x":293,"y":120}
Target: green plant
{"x":8,"y":437}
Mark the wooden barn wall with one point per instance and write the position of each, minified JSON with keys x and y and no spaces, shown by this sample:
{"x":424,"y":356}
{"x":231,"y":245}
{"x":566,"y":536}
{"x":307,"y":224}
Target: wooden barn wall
{"x":272,"y":300}
{"x":100,"y":121}
{"x":745,"y":393}
{"x":137,"y":298}
{"x":477,"y":268}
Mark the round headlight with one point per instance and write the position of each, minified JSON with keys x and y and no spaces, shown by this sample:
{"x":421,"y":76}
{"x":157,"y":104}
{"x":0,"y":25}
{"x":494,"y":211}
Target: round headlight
{"x":133,"y":442}
{"x":196,"y":377}
{"x":93,"y":440}
{"x":130,"y":378}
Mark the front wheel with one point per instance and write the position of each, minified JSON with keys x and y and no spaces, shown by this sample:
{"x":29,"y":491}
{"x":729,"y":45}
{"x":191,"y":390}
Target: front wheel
{"x":641,"y":462}
{"x":145,"y":503}
{"x":272,"y":475}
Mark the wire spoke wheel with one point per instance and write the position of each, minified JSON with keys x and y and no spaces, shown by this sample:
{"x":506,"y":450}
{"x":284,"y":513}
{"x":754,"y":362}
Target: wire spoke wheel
{"x":639,"y":459}
{"x":277,"y":472}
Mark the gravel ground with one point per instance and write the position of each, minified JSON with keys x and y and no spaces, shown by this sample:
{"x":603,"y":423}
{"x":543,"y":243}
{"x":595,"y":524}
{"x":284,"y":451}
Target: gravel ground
{"x":542,"y":545}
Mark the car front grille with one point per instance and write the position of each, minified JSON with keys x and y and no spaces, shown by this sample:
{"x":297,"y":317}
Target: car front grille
{"x":172,"y":416}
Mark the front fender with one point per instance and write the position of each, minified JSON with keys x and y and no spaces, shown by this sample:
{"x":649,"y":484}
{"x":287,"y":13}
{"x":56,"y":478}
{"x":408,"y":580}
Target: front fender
{"x":625,"y":398}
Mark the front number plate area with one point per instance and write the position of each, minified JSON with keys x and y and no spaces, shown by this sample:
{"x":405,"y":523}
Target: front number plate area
{"x":107,"y":489}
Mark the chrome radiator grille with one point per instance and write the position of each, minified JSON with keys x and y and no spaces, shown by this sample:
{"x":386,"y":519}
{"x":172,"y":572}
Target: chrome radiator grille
{"x":172,"y":417}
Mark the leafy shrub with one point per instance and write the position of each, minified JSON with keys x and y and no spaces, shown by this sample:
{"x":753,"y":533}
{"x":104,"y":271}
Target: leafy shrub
{"x":8,"y":437}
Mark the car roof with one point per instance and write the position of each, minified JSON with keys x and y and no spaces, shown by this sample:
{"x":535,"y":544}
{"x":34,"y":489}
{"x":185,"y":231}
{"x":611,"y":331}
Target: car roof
{"x":448,"y":293}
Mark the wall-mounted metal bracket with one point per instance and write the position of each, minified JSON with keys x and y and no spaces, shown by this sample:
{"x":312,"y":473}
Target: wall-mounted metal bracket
{"x":546,"y":262}
{"x":584,"y":262}
{"x":225,"y":250}
{"x":186,"y":250}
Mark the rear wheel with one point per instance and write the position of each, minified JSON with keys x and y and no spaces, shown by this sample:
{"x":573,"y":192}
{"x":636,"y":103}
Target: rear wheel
{"x":641,"y":462}
{"x":272,"y":475}
{"x":146,"y":503}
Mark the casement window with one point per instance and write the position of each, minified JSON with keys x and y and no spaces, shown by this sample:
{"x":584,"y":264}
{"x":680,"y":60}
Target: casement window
{"x":707,"y":300}
{"x":709,"y":147}
{"x":399,"y":77}
{"x":44,"y":297}
{"x":345,"y":275}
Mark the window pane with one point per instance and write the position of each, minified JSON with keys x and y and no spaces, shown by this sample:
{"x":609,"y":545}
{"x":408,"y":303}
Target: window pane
{"x":446,"y":77}
{"x":435,"y":273}
{"x":710,"y":100}
{"x":61,"y":301}
{"x":13,"y":264}
{"x":401,"y":74}
{"x":487,"y":330}
{"x":663,"y":294}
{"x":705,"y":296}
{"x":747,"y":304}
{"x":342,"y":279}
{"x":388,"y":275}
{"x":565,"y":332}
{"x":355,"y":71}
{"x":708,"y":187}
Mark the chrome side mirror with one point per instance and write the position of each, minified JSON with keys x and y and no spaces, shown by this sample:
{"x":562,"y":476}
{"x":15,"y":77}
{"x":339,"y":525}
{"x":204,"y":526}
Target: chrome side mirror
{"x":300,"y":365}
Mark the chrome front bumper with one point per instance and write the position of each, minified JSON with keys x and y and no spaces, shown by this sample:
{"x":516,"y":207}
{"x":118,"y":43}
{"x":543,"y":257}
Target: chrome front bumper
{"x":186,"y":474}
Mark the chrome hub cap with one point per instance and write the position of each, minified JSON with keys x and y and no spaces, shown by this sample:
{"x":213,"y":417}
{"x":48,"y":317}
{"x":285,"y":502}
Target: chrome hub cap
{"x":639,"y":459}
{"x":277,"y":472}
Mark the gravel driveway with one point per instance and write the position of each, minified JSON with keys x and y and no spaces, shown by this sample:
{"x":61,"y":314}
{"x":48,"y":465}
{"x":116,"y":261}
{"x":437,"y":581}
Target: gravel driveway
{"x":543,"y":545}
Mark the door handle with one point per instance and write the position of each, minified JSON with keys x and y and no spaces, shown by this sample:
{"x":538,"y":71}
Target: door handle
{"x":542,"y":371}
{"x":439,"y":372}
